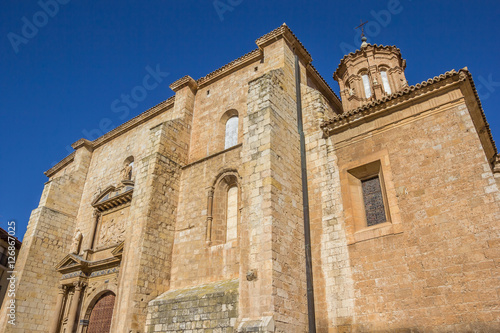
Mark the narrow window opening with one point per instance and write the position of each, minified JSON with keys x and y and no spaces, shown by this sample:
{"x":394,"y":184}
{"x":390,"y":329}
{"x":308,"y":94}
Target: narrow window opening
{"x":232,"y":214}
{"x":231,"y":138}
{"x":373,"y":201}
{"x":385,"y":81}
{"x":366,"y":85}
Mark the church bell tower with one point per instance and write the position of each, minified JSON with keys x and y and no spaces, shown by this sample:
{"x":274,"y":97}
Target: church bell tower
{"x":370,"y":73}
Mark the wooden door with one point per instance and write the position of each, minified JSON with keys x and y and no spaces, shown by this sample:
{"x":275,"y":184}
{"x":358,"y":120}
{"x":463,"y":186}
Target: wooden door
{"x":100,"y":317}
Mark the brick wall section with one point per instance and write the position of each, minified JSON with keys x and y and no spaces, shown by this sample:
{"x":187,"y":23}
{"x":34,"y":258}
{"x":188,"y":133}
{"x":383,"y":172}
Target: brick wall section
{"x":210,"y":308}
{"x":47,"y":240}
{"x":441,"y":273}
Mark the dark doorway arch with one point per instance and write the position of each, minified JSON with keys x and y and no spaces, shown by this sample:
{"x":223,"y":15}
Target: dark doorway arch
{"x":102,"y":312}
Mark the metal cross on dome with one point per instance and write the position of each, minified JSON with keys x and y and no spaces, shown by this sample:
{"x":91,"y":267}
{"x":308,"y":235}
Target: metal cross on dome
{"x":362,"y":27}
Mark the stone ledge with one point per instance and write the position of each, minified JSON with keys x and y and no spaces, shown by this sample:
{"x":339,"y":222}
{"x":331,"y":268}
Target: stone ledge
{"x":261,"y":325}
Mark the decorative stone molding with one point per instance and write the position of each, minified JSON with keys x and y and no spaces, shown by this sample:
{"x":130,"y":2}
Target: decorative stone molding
{"x":113,"y":197}
{"x":284,"y":32}
{"x":183,"y":82}
{"x":59,"y":166}
{"x":83,"y":143}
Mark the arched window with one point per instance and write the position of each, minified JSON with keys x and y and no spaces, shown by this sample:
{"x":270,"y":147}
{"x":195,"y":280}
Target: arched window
{"x":231,"y":134}
{"x":366,"y":85}
{"x":223,"y":210}
{"x":385,"y":82}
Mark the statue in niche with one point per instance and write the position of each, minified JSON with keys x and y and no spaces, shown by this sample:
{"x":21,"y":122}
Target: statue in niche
{"x":351,"y":92}
{"x":126,"y":173}
{"x":77,"y":240}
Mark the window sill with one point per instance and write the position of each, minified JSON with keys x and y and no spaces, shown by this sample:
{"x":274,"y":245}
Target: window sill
{"x":375,"y":231}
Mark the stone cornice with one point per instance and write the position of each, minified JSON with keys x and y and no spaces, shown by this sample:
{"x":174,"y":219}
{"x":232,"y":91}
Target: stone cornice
{"x":234,"y":65}
{"x":376,"y":107}
{"x":82,"y":143}
{"x":257,"y":54}
{"x":183,"y":82}
{"x":284,"y":32}
{"x":63,"y":163}
{"x":134,"y":122}
{"x":409,"y":94}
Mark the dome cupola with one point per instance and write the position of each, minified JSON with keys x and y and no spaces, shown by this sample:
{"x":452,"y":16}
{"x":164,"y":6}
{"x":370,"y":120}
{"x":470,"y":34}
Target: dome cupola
{"x":371,"y":73}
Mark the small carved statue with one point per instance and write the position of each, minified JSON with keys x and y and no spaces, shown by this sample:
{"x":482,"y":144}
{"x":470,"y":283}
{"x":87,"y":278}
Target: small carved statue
{"x":126,"y":173}
{"x":351,"y":92}
{"x":77,"y":240}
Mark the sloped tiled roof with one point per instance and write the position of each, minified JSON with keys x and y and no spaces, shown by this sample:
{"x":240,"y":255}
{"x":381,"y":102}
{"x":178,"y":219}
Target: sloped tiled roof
{"x":369,"y":108}
{"x":257,"y":54}
{"x":230,"y":67}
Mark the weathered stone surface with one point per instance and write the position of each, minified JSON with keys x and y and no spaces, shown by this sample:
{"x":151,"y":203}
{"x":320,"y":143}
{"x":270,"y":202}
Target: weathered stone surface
{"x":206,"y":308}
{"x":431,"y":265}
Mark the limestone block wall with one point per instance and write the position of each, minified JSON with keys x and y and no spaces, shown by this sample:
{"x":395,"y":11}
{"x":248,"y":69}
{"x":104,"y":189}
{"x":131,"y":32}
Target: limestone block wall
{"x":272,"y":227}
{"x":205,"y":308}
{"x":47,"y":240}
{"x":107,"y":163}
{"x":439,"y":271}
{"x":333,"y":286}
{"x":230,"y":92}
{"x":146,"y":269}
{"x":196,"y":261}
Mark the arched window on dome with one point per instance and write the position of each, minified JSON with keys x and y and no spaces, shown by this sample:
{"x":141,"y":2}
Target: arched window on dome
{"x":385,"y":82}
{"x":366,"y":85}
{"x":231,"y":134}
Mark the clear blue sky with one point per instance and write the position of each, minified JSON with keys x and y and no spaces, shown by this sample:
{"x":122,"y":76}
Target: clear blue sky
{"x":61,"y":73}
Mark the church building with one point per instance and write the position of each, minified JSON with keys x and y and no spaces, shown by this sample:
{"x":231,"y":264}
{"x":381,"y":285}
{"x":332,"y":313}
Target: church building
{"x":257,"y":200}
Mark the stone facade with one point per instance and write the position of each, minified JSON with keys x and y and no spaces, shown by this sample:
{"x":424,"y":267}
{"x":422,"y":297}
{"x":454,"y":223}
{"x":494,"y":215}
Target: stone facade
{"x":187,"y":234}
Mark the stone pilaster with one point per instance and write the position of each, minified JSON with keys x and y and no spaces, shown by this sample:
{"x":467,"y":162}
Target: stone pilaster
{"x":145,"y":271}
{"x":272,"y":239}
{"x":47,"y":240}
